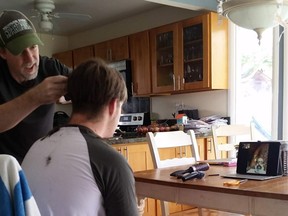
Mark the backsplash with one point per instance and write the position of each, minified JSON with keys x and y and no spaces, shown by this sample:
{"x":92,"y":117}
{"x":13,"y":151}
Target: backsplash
{"x":207,"y":103}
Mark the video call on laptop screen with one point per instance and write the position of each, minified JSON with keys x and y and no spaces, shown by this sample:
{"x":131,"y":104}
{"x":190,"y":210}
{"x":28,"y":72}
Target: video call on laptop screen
{"x":257,"y":158}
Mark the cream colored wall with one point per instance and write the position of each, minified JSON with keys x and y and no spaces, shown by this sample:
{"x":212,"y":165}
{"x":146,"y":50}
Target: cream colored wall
{"x":208,"y":103}
{"x":53,"y":44}
{"x":153,"y":18}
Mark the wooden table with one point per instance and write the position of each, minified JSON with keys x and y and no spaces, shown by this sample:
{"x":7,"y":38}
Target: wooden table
{"x":259,"y":198}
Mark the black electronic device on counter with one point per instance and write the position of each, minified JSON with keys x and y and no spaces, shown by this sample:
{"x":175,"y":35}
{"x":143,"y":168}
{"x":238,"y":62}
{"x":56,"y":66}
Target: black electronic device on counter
{"x":191,"y":114}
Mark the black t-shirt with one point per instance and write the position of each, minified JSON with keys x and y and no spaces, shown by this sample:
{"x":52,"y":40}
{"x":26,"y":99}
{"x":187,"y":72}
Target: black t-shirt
{"x":18,"y":140}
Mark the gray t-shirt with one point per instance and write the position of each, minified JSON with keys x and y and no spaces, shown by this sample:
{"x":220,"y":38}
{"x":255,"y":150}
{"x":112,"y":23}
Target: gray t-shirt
{"x":74,"y":172}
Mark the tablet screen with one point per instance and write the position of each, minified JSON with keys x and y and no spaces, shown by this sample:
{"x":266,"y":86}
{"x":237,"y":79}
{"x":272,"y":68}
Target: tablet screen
{"x":259,"y":158}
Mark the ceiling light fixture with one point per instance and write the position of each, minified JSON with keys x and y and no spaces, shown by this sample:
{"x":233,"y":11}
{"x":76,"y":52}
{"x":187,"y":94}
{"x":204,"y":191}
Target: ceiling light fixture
{"x":256,"y":15}
{"x":45,"y":24}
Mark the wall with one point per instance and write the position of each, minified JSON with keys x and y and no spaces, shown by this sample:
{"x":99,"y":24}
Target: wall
{"x":53,"y":44}
{"x":153,"y":18}
{"x":208,"y":103}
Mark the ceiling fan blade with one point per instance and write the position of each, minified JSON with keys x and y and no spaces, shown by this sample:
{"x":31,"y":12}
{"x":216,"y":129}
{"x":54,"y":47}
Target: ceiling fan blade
{"x":73,"y":16}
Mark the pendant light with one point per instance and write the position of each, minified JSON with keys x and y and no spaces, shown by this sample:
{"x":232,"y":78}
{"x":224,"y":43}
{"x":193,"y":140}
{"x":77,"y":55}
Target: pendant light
{"x":257,"y":15}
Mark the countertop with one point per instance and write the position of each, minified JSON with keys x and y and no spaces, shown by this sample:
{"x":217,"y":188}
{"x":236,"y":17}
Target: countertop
{"x":117,"y":140}
{"x":120,"y":140}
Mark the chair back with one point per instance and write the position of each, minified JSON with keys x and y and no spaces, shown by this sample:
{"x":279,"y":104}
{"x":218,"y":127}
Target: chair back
{"x":232,"y":132}
{"x":173,"y":139}
{"x":15,"y":195}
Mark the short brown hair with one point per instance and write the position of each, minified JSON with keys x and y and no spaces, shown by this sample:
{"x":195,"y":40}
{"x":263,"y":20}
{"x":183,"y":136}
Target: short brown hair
{"x":93,"y":84}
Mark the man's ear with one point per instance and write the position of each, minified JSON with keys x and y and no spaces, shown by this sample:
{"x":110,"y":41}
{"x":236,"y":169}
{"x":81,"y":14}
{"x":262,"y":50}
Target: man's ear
{"x":112,"y":106}
{"x":2,"y":53}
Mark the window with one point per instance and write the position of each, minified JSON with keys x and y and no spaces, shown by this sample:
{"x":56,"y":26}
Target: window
{"x":252,"y":86}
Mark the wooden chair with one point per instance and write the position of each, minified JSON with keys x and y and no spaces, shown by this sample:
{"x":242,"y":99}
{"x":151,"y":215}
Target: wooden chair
{"x":173,"y":139}
{"x":233,"y":132}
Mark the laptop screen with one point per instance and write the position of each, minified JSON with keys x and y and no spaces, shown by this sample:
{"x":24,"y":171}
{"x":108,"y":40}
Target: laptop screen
{"x":259,"y":158}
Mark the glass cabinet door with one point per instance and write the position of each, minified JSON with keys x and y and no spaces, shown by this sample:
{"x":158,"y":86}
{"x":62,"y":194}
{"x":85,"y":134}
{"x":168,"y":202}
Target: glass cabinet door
{"x":190,"y":55}
{"x":193,"y":53}
{"x":165,"y":74}
{"x":164,"y":58}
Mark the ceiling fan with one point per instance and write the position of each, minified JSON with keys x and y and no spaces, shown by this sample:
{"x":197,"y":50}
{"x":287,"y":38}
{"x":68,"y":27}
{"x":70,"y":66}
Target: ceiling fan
{"x":45,"y":11}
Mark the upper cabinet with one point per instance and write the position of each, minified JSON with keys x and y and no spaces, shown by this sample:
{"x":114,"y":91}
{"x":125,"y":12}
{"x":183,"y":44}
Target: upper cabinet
{"x":164,"y":58}
{"x":65,"y":58}
{"x":113,"y":50}
{"x":82,"y":54}
{"x":186,"y":56}
{"x":190,"y":55}
{"x":140,"y":59}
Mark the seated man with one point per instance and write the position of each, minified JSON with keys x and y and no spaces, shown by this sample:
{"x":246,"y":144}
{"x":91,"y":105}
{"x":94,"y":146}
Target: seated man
{"x":72,"y":171}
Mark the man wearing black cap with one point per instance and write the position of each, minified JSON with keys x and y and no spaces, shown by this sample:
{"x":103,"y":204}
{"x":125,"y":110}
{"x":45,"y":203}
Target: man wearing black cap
{"x":29,"y":85}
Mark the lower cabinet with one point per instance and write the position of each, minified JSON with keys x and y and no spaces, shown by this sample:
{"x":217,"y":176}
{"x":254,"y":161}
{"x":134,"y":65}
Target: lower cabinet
{"x":139,"y":158}
{"x":206,"y":147}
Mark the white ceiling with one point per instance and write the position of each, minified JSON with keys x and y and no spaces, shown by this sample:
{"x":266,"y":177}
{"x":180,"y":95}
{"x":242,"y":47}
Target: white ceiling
{"x":102,"y":11}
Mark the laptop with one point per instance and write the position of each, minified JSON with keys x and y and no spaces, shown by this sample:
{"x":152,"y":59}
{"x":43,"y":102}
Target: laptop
{"x":258,"y":161}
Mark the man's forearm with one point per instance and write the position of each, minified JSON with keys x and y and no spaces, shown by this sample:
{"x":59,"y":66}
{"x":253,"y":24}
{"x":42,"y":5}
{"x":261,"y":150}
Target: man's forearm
{"x":14,"y":111}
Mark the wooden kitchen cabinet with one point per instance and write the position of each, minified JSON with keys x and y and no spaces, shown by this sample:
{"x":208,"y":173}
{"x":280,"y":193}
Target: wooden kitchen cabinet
{"x":65,"y":58}
{"x":190,"y":55}
{"x":206,"y":147}
{"x":113,"y":50}
{"x":82,"y":54}
{"x":137,"y":154}
{"x":139,"y":158}
{"x":140,"y":57}
{"x":164,"y":58}
{"x":72,"y":58}
{"x":204,"y":54}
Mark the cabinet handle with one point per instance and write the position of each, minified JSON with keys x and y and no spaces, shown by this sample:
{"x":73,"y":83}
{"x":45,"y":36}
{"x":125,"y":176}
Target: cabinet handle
{"x":174,"y":83}
{"x":179,"y":82}
{"x":126,"y":153}
{"x":184,"y":153}
{"x":119,"y":150}
{"x":210,"y":145}
{"x":109,"y":54}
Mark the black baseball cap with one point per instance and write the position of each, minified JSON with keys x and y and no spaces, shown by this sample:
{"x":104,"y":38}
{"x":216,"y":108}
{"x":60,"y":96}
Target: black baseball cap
{"x":17,"y":32}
